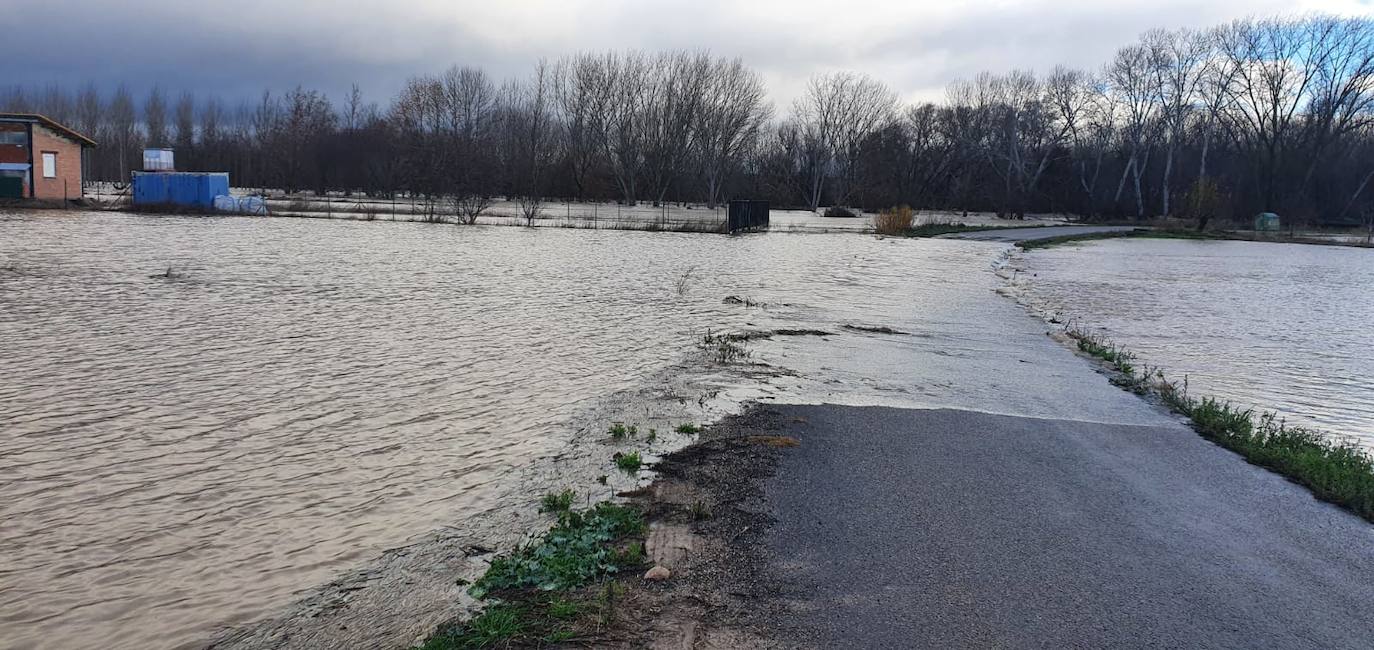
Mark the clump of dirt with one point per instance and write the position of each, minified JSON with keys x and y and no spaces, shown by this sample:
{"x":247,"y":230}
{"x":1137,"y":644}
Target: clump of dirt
{"x":768,"y":334}
{"x":875,"y":330}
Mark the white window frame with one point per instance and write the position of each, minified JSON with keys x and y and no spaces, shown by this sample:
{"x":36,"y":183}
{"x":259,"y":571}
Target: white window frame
{"x":49,"y":164}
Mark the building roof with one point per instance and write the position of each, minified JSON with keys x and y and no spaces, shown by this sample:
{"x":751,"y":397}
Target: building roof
{"x":35,"y":118}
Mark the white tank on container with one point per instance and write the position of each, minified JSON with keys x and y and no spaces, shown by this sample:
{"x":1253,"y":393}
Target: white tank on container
{"x":158,"y":160}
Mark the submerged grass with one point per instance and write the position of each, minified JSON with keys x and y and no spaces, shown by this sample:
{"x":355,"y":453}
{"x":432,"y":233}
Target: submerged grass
{"x":724,"y":348}
{"x":1335,"y":471}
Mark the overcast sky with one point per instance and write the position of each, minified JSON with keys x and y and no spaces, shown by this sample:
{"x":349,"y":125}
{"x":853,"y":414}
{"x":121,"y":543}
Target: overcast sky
{"x":237,"y":48}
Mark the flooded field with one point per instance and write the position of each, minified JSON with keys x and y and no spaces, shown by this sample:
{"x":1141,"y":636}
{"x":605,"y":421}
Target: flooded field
{"x":202,"y":417}
{"x":1270,"y":326}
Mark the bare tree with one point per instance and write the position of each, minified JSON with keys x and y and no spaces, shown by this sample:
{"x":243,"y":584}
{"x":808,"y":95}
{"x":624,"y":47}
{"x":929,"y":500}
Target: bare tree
{"x":1134,"y":76}
{"x":155,"y":118}
{"x":837,"y":112}
{"x":1181,"y":58}
{"x":184,"y":125}
{"x":124,"y":130}
{"x":532,"y":137}
{"x":627,"y":81}
{"x":734,"y":112}
{"x":582,"y":91}
{"x":676,"y":99}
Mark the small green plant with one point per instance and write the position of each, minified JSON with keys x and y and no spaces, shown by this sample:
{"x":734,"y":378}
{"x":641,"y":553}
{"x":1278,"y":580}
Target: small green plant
{"x":618,"y":430}
{"x":564,"y":609}
{"x":557,"y":501}
{"x":1096,"y":346}
{"x":688,"y":429}
{"x":628,"y":463}
{"x":559,"y":636}
{"x":579,"y":549}
{"x":631,"y":556}
{"x":498,"y":623}
{"x":700,"y":511}
{"x":653,"y":435}
{"x":606,"y":601}
{"x":602,"y":479}
{"x":633,"y":430}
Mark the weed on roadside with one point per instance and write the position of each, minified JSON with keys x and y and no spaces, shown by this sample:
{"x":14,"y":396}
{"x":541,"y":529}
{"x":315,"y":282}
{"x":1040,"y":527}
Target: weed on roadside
{"x":628,"y":463}
{"x":580,"y":548}
{"x":499,"y":623}
{"x":557,"y":501}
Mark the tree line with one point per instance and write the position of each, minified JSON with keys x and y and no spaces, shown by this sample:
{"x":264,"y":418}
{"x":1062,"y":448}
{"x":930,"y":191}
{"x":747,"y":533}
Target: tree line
{"x":1254,"y":115}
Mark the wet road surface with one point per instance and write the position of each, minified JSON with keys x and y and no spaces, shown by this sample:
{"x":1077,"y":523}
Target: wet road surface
{"x":947,"y":528}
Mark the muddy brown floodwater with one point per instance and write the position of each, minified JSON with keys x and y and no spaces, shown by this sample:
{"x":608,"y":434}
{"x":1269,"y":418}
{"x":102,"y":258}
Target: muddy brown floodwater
{"x":201,"y":417}
{"x":1286,"y":327}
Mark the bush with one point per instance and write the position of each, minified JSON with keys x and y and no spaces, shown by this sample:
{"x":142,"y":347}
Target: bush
{"x":837,"y":211}
{"x":896,"y":221}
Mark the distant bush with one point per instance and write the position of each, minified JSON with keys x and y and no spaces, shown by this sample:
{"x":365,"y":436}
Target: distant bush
{"x":837,"y":211}
{"x":896,"y":221}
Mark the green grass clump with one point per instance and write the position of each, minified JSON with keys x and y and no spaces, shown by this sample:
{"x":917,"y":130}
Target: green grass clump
{"x":564,"y":609}
{"x":688,"y":429}
{"x":499,"y":623}
{"x":1097,"y":346}
{"x":557,"y":501}
{"x":618,"y":430}
{"x":579,"y":549}
{"x":628,"y":463}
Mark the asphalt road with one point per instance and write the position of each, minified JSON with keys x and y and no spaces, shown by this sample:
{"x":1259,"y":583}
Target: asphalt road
{"x":899,"y":528}
{"x":1027,"y":234}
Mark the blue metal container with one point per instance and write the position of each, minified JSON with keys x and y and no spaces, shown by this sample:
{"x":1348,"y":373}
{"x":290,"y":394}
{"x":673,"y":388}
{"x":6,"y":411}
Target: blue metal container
{"x":187,"y":189}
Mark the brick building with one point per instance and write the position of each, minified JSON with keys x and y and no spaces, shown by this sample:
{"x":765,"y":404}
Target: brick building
{"x":39,"y":158}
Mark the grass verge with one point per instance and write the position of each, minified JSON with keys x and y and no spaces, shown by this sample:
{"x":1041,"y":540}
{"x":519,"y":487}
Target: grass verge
{"x":937,"y":229}
{"x":1335,"y":471}
{"x":1180,"y":234}
{"x":554,"y":588}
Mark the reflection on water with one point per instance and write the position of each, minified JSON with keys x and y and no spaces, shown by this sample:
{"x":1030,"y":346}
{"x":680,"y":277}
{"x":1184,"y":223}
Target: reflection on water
{"x":181,"y":450}
{"x":1272,"y":326}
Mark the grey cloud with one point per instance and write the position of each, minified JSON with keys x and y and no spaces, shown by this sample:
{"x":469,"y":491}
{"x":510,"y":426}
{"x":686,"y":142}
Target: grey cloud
{"x":240,"y":48}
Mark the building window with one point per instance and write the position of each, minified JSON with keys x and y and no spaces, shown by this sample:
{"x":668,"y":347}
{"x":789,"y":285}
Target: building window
{"x":17,"y":138}
{"x":49,"y":164}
